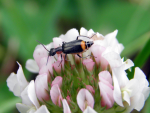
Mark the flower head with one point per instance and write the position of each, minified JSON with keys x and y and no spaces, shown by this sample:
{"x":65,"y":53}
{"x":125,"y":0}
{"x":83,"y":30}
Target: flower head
{"x":92,"y":78}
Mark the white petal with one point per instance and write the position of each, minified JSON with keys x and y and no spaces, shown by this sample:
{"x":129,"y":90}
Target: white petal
{"x":133,"y":86}
{"x":89,"y":110}
{"x":25,"y":97}
{"x":32,"y":94}
{"x":128,"y":64}
{"x":139,"y":73}
{"x":111,"y":38}
{"x":17,"y":89}
{"x":120,"y":48}
{"x":90,"y":33}
{"x":117,"y":92}
{"x":126,"y":97}
{"x":11,"y":81}
{"x":121,"y":76}
{"x":83,"y":31}
{"x":140,"y":101}
{"x":101,"y":43}
{"x":32,"y":66}
{"x":71,"y":35}
{"x":22,"y":108}
{"x":113,"y":58}
{"x":42,"y":109}
{"x":146,"y":92}
{"x":66,"y":108}
{"x":17,"y":82}
{"x":57,"y":42}
{"x":21,"y":78}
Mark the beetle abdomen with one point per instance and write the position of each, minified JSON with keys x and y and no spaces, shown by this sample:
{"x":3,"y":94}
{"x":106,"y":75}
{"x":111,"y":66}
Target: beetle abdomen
{"x":75,"y":46}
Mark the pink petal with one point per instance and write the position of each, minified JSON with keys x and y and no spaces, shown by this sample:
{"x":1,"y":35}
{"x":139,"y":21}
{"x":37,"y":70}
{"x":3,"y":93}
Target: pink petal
{"x":56,"y":95}
{"x":43,"y":70}
{"x":40,"y":52}
{"x":57,"y":80}
{"x":107,"y":95}
{"x":46,"y":68}
{"x":84,"y":98}
{"x":97,"y":51}
{"x":66,"y":108}
{"x":89,"y":64}
{"x":104,"y":63}
{"x":105,"y":75}
{"x":104,"y":81}
{"x":68,"y":99}
{"x":57,"y":66}
{"x":41,"y":87}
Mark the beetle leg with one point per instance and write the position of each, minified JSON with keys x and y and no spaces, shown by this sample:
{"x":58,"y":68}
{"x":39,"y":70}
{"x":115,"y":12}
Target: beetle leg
{"x":66,"y":58}
{"x":85,"y":36}
{"x":61,"y":60}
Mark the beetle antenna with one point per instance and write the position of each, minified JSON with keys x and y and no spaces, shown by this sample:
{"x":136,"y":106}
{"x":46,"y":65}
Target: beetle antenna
{"x":93,"y":35}
{"x":42,"y":45}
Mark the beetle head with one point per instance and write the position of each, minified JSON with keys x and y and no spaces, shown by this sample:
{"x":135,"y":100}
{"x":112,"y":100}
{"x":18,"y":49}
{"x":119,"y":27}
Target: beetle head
{"x":52,"y":52}
{"x":89,"y":44}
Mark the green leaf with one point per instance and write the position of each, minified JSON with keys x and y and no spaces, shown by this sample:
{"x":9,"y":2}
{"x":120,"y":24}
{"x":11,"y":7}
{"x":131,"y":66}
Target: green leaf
{"x":9,"y":104}
{"x":143,"y":55}
{"x":147,"y":108}
{"x":132,"y":47}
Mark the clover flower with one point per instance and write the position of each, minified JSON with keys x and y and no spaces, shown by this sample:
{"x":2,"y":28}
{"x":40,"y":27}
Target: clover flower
{"x":97,"y":83}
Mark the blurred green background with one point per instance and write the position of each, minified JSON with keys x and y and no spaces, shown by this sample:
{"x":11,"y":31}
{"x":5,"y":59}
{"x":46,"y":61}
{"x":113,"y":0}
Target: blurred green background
{"x":22,"y":22}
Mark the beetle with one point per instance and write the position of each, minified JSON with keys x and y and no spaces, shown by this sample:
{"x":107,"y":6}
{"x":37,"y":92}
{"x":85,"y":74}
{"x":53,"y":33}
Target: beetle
{"x":73,"y":47}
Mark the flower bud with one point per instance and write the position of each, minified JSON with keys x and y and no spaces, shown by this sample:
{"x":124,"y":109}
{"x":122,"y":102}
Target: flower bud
{"x":56,"y":95}
{"x":57,"y":80}
{"x":89,"y":64}
{"x":106,"y":89}
{"x":84,"y":99}
{"x":41,"y":87}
